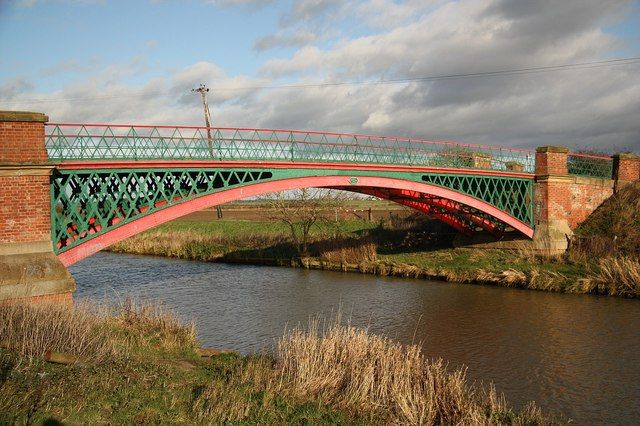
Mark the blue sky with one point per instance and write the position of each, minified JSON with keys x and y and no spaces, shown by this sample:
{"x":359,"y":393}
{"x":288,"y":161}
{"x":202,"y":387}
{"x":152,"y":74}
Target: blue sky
{"x":135,"y":61}
{"x":167,"y":35}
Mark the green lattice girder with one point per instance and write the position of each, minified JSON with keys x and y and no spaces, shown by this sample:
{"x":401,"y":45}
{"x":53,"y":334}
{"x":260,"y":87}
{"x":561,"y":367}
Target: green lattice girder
{"x":88,"y":203}
{"x":512,"y":195}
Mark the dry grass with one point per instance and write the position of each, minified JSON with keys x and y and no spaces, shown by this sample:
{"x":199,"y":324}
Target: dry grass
{"x":382,"y":381}
{"x":230,"y":400}
{"x":617,"y":276}
{"x":172,"y":244}
{"x":347,"y":250}
{"x":32,"y":330}
{"x":89,"y":330}
{"x":193,"y":245}
{"x":154,"y":321}
{"x":587,"y":249}
{"x":616,"y":222}
{"x":141,"y":367}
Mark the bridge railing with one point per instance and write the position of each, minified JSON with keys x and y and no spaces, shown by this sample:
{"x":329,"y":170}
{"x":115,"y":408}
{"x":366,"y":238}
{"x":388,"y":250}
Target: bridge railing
{"x":590,"y":165}
{"x":126,"y":142}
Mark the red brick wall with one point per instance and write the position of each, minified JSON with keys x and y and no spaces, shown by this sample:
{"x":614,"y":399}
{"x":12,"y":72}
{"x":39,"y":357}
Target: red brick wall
{"x":24,"y":193}
{"x":573,"y":199}
{"x":22,"y":142}
{"x":626,"y":167}
{"x":585,"y":197}
{"x":551,"y":161}
{"x":552,"y":200}
{"x":24,"y":209}
{"x":559,"y":196}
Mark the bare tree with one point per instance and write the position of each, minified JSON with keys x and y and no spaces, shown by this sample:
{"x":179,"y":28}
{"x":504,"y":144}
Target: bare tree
{"x":300,"y":210}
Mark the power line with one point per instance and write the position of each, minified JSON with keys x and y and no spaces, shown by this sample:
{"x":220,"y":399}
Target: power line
{"x":497,"y":73}
{"x":551,"y":68}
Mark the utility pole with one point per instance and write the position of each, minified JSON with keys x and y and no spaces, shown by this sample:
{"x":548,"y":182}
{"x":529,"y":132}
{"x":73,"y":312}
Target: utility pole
{"x":203,"y":90}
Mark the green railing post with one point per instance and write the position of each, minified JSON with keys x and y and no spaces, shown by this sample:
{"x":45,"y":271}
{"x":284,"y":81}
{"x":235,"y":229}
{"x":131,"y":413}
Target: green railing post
{"x":292,"y":146}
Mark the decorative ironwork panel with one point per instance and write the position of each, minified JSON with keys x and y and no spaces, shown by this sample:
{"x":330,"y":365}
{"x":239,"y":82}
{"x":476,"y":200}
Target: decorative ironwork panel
{"x":597,"y":166}
{"x":512,"y":195}
{"x":112,"y":142}
{"x":87,"y":203}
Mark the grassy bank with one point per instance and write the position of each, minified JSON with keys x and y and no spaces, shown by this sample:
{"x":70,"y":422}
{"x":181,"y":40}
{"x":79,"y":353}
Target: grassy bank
{"x":139,"y":364}
{"x":232,"y":240}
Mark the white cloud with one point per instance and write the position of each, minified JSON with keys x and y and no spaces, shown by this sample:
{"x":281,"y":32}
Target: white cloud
{"x":596,"y":107}
{"x":285,"y":39}
{"x":236,"y":3}
{"x":11,"y":89}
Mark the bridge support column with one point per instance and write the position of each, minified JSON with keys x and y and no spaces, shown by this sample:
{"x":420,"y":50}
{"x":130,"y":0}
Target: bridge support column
{"x":626,"y":169}
{"x":29,"y":269}
{"x":552,"y":200}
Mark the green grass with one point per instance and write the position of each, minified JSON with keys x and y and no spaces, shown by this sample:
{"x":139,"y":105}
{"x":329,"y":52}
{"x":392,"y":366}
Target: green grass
{"x":147,"y":389}
{"x":231,"y":239}
{"x":461,"y":259}
{"x":246,"y":228}
{"x":361,"y":204}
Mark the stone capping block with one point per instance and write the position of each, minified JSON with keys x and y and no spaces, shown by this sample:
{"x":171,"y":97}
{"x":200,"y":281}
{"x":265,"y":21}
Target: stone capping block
{"x":558,"y":149}
{"x":514,"y":166}
{"x":26,"y":169}
{"x":627,"y":156}
{"x":23,"y":116}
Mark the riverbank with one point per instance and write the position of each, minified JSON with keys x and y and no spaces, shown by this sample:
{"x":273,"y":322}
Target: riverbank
{"x":140,"y":364}
{"x":406,"y":249}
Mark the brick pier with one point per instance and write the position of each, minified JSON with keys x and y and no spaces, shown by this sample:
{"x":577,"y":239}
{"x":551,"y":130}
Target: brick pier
{"x":29,"y":270}
{"x":564,"y":201}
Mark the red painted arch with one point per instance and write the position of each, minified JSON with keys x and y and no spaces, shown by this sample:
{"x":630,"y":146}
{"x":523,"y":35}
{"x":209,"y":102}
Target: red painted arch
{"x":100,"y":242}
{"x":426,"y":205}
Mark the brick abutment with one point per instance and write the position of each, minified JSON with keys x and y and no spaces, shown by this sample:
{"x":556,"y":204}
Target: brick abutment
{"x":29,"y":269}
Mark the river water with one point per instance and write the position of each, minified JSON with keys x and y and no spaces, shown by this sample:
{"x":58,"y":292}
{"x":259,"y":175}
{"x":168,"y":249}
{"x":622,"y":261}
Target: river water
{"x":574,"y":355}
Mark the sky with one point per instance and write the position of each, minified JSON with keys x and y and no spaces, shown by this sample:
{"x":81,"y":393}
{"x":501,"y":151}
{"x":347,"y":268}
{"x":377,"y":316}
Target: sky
{"x":330,"y":65}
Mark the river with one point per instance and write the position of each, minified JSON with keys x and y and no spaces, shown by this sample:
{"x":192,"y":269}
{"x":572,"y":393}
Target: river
{"x":575,"y":355}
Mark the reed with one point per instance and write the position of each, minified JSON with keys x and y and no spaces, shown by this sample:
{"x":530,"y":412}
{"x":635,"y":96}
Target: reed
{"x":193,"y":245}
{"x":616,"y":276}
{"x":347,"y":250}
{"x":382,"y":381}
{"x":31,"y":330}
{"x":146,"y":320}
{"x":90,"y":330}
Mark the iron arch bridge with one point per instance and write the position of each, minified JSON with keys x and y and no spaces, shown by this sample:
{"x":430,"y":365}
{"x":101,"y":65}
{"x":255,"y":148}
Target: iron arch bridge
{"x":114,"y":181}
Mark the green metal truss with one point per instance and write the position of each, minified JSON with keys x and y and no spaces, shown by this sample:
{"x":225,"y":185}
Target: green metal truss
{"x":512,"y":195}
{"x":88,"y":203}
